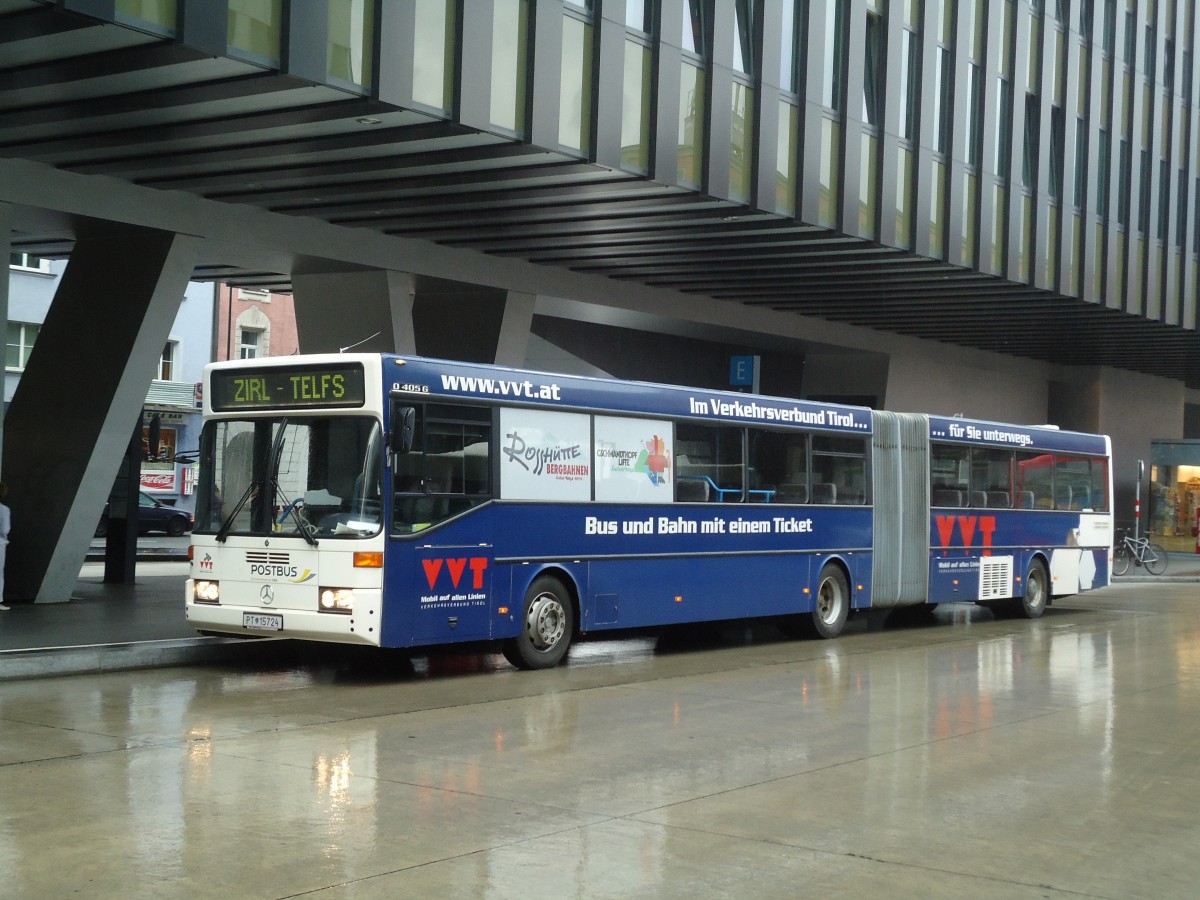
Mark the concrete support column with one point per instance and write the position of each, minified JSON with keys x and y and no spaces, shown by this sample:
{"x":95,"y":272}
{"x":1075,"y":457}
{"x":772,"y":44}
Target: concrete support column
{"x":6,"y":220}
{"x":369,"y":311}
{"x":81,"y":395}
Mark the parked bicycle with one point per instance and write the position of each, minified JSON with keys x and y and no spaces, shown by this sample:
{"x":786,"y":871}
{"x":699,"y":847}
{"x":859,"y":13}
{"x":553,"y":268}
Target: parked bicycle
{"x":1139,"y":551}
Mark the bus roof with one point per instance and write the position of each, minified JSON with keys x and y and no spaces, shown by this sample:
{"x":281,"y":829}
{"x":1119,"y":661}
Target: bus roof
{"x":425,"y":378}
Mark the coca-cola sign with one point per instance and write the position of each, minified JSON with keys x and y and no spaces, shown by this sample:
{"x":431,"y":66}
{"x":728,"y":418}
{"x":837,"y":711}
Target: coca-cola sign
{"x":164,"y":482}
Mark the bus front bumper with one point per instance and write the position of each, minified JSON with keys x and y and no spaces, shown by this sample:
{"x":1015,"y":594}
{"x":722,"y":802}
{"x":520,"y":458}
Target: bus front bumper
{"x":362,"y":626}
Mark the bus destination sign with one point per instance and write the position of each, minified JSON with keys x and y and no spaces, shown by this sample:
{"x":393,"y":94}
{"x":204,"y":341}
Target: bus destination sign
{"x":283,"y":387}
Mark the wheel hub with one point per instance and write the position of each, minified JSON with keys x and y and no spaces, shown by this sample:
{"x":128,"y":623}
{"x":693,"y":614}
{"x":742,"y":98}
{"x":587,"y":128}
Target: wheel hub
{"x":546,"y":622}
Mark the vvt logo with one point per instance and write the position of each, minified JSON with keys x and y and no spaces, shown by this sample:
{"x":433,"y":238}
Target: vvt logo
{"x":455,"y":569}
{"x":206,"y":564}
{"x":967,"y":527}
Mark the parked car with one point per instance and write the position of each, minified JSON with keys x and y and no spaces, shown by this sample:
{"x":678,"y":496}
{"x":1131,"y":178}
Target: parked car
{"x":153,"y":515}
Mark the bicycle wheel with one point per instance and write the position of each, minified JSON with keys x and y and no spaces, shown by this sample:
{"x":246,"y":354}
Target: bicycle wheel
{"x":1155,"y":559}
{"x":1121,"y":559}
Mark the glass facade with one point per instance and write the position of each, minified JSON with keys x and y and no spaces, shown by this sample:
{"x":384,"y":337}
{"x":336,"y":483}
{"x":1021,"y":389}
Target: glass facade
{"x":1073,"y":142}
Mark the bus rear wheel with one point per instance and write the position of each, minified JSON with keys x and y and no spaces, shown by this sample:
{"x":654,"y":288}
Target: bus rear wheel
{"x":547,"y":626}
{"x":1037,"y":592}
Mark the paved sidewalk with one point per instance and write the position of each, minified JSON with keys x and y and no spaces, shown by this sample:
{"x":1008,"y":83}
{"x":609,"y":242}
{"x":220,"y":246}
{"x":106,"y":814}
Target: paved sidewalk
{"x":107,"y":627}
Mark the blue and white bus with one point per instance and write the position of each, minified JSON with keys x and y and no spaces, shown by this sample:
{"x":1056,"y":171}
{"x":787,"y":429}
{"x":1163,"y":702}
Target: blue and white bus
{"x":404,"y":502}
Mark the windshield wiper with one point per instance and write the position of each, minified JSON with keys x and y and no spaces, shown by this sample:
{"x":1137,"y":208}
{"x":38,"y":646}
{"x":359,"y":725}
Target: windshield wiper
{"x":226,"y":525}
{"x":293,"y":507}
{"x":274,"y":461}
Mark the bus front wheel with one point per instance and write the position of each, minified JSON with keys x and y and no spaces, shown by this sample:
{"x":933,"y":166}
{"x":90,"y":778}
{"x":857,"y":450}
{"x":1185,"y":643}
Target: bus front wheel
{"x":833,"y":602}
{"x":1037,"y":592}
{"x":547,"y":626}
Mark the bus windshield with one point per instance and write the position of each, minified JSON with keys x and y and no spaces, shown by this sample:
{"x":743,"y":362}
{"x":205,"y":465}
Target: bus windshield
{"x":307,"y":476}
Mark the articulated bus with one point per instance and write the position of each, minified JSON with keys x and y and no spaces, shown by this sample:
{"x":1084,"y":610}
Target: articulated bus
{"x":403,"y":502}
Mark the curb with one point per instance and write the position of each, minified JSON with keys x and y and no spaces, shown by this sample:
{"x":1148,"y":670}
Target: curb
{"x":99,"y":659}
{"x":1156,"y":579}
{"x":145,"y":556}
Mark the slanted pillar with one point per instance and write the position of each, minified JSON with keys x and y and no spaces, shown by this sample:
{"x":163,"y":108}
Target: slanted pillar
{"x":513,"y":340}
{"x":359,"y":310}
{"x":470,"y":322}
{"x":80,"y":396}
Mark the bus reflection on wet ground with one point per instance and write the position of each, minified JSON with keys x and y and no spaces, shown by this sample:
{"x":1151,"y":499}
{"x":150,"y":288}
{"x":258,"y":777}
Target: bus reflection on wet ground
{"x":959,"y":754}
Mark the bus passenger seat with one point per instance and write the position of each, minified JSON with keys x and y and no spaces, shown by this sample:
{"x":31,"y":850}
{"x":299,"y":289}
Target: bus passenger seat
{"x":824,"y":492}
{"x":979,"y":499}
{"x":691,"y":490}
{"x":999,"y":499}
{"x":792,"y":493}
{"x":947,"y":497}
{"x":1026,"y":498}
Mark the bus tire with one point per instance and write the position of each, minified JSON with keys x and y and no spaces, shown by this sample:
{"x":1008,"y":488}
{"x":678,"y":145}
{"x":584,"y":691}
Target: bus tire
{"x":1037,"y":592}
{"x":548,"y":624}
{"x":833,"y":602}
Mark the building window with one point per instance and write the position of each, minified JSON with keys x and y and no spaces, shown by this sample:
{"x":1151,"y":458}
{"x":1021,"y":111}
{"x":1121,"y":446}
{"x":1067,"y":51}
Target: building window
{"x":28,"y":262}
{"x":789,"y":50}
{"x":693,"y":28}
{"x":835,"y":56}
{"x":21,"y":336}
{"x":435,"y":26}
{"x":166,"y":365}
{"x":690,"y":164}
{"x":637,"y":15}
{"x":873,"y":70}
{"x":510,"y":42}
{"x":1003,"y":126}
{"x":743,"y":43}
{"x":248,"y":343}
{"x":1057,"y":136}
{"x":635,"y":106}
{"x":909,"y":89}
{"x":1032,"y":128}
{"x":941,"y":102}
{"x":575,"y":79}
{"x":254,"y":28}
{"x":351,"y":27}
{"x":974,"y":113}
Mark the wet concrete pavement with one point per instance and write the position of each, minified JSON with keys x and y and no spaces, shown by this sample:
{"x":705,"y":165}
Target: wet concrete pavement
{"x":962,"y":756}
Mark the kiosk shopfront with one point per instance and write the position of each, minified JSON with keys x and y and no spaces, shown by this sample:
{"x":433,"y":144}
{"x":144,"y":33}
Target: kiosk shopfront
{"x":1174,"y":493}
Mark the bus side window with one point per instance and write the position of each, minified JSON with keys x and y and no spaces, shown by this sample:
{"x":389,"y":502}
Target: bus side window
{"x":839,"y":463}
{"x":448,"y":470}
{"x":777,"y":465}
{"x":712,"y":452}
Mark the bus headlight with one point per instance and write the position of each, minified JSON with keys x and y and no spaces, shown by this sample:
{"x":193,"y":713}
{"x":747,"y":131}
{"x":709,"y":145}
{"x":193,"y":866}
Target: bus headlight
{"x":336,"y":600}
{"x":207,"y":592}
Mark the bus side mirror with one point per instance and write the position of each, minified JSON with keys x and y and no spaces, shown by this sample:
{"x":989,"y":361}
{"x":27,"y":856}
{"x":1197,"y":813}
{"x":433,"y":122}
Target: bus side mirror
{"x":404,"y":423}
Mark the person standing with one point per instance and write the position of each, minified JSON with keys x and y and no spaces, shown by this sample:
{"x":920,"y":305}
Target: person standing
{"x":5,"y":523}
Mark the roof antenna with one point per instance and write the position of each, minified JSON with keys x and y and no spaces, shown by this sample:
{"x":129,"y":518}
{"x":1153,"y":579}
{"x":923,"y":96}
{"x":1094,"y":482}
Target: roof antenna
{"x":360,"y":343}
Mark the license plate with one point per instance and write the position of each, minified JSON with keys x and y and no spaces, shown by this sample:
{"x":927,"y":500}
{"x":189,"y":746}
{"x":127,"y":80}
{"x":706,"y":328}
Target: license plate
{"x":262,"y":621}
